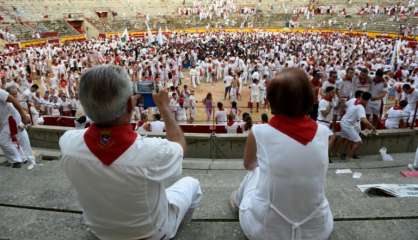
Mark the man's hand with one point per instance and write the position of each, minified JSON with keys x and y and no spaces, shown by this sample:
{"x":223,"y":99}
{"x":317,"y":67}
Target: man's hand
{"x":26,"y":119}
{"x":161,"y":99}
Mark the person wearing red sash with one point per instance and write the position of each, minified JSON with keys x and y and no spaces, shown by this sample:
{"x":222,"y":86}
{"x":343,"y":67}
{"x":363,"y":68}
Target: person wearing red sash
{"x":350,"y":123}
{"x":120,"y":176}
{"x":9,"y":128}
{"x":283,"y":194}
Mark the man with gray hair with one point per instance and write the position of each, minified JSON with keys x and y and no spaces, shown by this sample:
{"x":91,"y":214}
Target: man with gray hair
{"x":22,"y":136}
{"x":120,"y":176}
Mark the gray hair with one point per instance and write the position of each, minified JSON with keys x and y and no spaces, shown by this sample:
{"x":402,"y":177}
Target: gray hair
{"x":10,"y":87}
{"x":104,"y":93}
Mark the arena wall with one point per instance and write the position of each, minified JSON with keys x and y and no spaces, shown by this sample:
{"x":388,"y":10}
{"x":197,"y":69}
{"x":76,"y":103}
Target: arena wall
{"x":229,"y":146}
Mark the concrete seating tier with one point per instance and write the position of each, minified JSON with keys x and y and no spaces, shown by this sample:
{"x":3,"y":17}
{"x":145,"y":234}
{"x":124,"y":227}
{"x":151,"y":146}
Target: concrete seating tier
{"x":41,"y":204}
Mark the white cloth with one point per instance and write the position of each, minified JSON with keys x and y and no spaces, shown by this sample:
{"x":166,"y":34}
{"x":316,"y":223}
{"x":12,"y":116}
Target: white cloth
{"x":221,"y":117}
{"x":394,"y":118}
{"x":285,"y":196}
{"x":10,"y":149}
{"x":325,"y":105}
{"x":233,"y":128}
{"x":4,"y":109}
{"x":22,"y":136}
{"x":350,"y":123}
{"x":128,"y":200}
{"x":412,"y":99}
{"x":157,"y":126}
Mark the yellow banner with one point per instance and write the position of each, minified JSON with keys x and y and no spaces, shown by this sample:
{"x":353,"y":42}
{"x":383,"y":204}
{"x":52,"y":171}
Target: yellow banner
{"x":250,"y":30}
{"x":80,"y":37}
{"x":35,"y":42}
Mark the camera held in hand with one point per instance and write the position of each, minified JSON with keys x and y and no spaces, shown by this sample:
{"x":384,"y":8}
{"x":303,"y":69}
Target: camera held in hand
{"x":145,"y":89}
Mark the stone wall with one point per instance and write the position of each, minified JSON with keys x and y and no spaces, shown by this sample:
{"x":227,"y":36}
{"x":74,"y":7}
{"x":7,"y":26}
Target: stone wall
{"x":227,"y":146}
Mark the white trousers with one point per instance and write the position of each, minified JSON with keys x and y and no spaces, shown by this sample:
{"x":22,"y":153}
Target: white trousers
{"x":183,"y":195}
{"x":10,"y":149}
{"x":194,"y":81}
{"x":246,"y":192}
{"x":25,"y":148}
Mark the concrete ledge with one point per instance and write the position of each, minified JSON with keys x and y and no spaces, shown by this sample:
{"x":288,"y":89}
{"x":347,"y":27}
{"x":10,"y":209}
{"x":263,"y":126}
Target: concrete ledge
{"x":232,"y":145}
{"x":29,"y":224}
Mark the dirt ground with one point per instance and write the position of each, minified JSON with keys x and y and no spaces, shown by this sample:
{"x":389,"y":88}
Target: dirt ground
{"x":217,"y":90}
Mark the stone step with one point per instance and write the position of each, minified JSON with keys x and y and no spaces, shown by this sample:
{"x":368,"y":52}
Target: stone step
{"x":47,"y":187}
{"x":368,"y":161}
{"x":28,"y":224}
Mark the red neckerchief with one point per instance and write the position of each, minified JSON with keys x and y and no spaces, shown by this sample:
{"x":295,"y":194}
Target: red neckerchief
{"x":301,"y":129}
{"x":107,"y":144}
{"x":376,"y":80}
{"x":316,"y":82}
{"x":13,"y":129}
{"x":357,"y":102}
{"x":397,"y":107}
{"x":140,"y":123}
{"x":230,"y":123}
{"x":329,"y":99}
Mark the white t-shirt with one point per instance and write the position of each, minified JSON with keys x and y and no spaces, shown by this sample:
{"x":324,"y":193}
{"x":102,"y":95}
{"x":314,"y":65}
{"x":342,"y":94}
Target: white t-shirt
{"x":233,"y":128}
{"x":412,"y":99}
{"x":221,"y":116}
{"x":126,"y":200}
{"x":324,"y":105}
{"x":394,"y":118}
{"x":157,"y":126}
{"x":228,"y":80}
{"x":354,"y":115}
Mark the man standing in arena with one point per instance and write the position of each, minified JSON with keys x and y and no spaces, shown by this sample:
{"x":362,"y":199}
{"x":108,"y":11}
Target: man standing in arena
{"x":22,"y":136}
{"x":349,"y":124}
{"x":378,"y":91}
{"x":411,"y":96}
{"x":316,"y":85}
{"x":120,"y":176}
{"x":8,"y":131}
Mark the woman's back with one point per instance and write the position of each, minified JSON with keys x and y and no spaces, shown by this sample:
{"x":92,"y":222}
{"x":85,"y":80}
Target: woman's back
{"x":292,"y":181}
{"x":296,"y":172}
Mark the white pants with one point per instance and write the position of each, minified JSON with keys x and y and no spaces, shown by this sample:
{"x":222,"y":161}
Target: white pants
{"x":350,"y":133}
{"x":411,"y":114}
{"x":183,"y":195}
{"x":10,"y":149}
{"x":25,"y":148}
{"x":194,"y":81}
{"x":245,"y":193}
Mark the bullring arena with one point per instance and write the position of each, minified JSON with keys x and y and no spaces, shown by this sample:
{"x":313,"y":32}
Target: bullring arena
{"x":232,"y":50}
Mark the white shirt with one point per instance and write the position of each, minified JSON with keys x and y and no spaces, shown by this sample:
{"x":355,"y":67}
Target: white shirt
{"x":228,"y":80}
{"x":127,"y":199}
{"x":233,"y":128}
{"x":157,"y":126}
{"x":350,"y":102}
{"x":412,"y":99}
{"x":221,"y":116}
{"x":394,"y":118}
{"x":354,"y":115}
{"x":323,"y":106}
{"x":290,"y":172}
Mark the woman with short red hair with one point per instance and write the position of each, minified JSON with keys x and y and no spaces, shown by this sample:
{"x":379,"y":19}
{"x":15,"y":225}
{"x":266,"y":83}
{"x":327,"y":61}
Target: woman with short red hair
{"x":283,"y":195}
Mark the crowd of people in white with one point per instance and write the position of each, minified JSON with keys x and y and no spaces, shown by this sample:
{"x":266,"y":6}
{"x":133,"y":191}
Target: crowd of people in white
{"x":46,"y":78}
